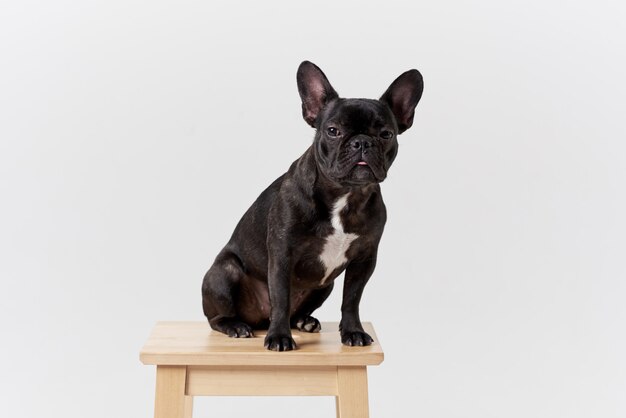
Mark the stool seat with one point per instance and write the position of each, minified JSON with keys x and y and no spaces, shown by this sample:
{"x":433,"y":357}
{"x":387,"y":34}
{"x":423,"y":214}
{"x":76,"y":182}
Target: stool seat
{"x":194,"y":360}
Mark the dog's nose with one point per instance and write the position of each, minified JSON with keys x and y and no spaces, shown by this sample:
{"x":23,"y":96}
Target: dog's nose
{"x":361,"y":143}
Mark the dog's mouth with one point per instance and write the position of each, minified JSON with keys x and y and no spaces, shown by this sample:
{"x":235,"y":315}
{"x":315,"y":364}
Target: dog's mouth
{"x":363,"y":173}
{"x":359,"y":170}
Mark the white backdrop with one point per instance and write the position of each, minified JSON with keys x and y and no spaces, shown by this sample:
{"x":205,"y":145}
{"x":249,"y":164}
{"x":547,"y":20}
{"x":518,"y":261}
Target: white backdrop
{"x":134,"y":134}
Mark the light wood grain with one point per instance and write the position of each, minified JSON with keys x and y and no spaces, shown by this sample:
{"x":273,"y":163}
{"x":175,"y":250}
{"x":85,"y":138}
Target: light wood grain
{"x":195,"y":343}
{"x":192,"y":360}
{"x":170,"y":399}
{"x":188,"y":407}
{"x":261,"y":381}
{"x":352,"y":401}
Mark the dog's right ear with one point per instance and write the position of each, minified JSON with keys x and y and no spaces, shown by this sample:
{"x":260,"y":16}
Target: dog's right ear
{"x":315,"y":91}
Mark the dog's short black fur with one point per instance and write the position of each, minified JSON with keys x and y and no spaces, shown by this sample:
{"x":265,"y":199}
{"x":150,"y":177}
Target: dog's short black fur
{"x":323,"y":216}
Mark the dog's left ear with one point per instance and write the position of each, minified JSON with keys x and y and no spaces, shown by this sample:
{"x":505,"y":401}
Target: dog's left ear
{"x":402,"y":97}
{"x":315,"y":91}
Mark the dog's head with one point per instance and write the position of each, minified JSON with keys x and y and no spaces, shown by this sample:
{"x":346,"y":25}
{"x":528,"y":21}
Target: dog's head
{"x":356,"y":139}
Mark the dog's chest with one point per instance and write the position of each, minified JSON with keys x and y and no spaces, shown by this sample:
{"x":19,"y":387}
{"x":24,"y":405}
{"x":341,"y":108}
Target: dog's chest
{"x":338,"y":242}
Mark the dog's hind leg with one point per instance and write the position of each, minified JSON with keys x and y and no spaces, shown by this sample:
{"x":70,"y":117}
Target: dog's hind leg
{"x":301,"y":318}
{"x":219,"y":292}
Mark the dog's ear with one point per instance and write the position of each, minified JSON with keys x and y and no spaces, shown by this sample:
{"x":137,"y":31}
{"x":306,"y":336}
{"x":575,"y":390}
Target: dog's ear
{"x":402,"y":97}
{"x":315,"y":91}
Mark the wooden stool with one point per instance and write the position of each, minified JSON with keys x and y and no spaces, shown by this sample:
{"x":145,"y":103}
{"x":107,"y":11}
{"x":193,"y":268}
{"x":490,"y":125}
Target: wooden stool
{"x":193,"y":360}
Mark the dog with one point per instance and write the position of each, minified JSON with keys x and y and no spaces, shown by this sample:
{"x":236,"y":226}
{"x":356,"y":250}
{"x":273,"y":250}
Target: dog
{"x":324,"y":216}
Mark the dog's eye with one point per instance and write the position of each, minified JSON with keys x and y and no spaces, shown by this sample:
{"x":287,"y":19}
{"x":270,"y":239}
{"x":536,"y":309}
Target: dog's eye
{"x":386,"y":134}
{"x":332,"y":131}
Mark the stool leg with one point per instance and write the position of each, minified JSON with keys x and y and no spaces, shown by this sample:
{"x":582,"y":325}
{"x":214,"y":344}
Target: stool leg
{"x":352,"y":388}
{"x":170,"y":400}
{"x":188,"y":407}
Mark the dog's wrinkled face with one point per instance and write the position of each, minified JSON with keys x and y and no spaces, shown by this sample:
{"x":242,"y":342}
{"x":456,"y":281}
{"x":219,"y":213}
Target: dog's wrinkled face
{"x":356,"y":142}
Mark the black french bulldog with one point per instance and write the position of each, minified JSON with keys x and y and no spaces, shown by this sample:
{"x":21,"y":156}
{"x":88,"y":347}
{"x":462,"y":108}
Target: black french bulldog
{"x":323,"y":216}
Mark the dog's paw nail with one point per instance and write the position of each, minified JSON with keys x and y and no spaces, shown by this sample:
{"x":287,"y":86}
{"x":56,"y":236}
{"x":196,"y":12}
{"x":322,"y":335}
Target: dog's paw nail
{"x":239,"y":330}
{"x":279,"y":343}
{"x":356,"y":338}
{"x":309,"y":324}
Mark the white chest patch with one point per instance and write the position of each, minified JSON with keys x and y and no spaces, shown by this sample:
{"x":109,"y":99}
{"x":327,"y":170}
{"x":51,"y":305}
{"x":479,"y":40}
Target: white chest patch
{"x":334,"y":252}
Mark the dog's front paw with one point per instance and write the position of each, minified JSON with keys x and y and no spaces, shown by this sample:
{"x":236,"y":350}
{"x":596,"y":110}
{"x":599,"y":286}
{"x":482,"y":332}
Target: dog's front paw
{"x":308,"y":324}
{"x":279,"y":342}
{"x":356,"y":338}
